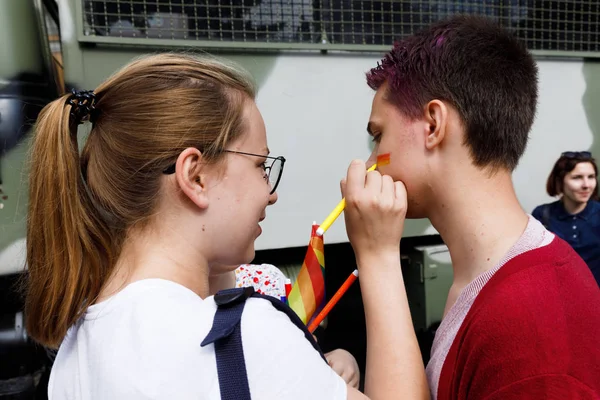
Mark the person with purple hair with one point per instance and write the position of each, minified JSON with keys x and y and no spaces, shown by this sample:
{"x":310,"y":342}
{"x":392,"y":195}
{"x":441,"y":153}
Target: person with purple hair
{"x":453,"y":106}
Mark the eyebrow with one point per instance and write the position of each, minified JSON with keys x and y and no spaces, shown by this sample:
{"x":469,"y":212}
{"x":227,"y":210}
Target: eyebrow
{"x":583,"y":174}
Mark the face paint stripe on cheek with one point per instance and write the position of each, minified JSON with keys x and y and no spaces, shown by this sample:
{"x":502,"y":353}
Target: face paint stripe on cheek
{"x":383,"y":159}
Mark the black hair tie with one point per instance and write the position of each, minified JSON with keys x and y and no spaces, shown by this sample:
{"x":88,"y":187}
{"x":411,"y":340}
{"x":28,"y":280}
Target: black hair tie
{"x":83,"y":106}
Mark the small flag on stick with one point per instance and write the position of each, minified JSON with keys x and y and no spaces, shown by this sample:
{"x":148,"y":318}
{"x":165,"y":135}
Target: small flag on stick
{"x":308,"y":292}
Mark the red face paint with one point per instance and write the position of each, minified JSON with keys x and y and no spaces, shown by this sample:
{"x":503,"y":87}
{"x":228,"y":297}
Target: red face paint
{"x":383,"y":159}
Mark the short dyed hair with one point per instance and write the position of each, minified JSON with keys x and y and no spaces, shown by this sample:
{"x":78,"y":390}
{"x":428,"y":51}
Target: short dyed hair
{"x":479,"y":68}
{"x":565,"y":164}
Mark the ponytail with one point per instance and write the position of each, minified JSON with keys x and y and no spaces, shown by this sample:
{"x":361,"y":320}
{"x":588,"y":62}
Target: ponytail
{"x":69,"y":249}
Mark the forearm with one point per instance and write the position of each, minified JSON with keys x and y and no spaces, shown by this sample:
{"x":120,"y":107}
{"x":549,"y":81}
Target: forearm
{"x":394,"y":363}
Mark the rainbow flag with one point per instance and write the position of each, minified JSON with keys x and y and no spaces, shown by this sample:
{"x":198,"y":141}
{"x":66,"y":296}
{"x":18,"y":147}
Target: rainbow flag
{"x":308,"y":292}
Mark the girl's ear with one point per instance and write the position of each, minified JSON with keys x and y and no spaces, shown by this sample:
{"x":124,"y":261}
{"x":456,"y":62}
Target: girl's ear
{"x":188,"y":173}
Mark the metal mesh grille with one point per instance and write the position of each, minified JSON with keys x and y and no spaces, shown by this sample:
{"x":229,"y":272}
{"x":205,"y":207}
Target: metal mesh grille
{"x":570,"y":26}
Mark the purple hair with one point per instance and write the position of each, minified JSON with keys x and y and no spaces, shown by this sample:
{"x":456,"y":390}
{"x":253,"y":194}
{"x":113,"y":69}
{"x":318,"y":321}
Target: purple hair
{"x":477,"y":67}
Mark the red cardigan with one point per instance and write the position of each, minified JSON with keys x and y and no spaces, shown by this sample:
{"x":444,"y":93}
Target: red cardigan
{"x":533,"y":332}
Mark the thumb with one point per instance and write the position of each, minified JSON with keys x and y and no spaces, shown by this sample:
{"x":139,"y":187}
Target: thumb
{"x":400,"y":190}
{"x":343,"y":187}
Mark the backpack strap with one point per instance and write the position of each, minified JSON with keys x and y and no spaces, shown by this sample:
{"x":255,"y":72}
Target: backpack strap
{"x":226,"y":334}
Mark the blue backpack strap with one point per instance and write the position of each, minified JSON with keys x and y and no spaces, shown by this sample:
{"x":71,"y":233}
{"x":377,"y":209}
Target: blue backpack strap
{"x":226,"y":334}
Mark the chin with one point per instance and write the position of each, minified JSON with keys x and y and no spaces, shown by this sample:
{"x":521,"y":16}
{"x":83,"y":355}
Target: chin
{"x":249,"y":255}
{"x":237,"y":256}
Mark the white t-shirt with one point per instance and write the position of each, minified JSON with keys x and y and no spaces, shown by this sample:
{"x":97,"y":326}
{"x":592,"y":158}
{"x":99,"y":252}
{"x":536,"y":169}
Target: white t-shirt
{"x":144,"y":343}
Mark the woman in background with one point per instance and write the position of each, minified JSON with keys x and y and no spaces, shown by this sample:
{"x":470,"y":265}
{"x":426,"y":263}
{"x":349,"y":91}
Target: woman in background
{"x":575,"y":216}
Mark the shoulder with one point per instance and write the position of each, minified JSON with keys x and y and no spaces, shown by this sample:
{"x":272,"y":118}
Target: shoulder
{"x":547,"y":278}
{"x":595,"y":206}
{"x":148,"y":334}
{"x":281,"y":362}
{"x":534,"y":321}
{"x":267,"y":329}
{"x":157,"y":313}
{"x":538,"y":211}
{"x":153,"y":302}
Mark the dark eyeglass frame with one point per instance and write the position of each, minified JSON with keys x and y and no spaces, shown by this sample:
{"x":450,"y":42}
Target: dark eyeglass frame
{"x":171,"y":169}
{"x":577,"y":154}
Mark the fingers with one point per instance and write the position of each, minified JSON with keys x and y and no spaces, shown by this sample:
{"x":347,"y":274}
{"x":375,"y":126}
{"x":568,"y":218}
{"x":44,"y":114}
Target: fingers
{"x":343,"y":371}
{"x":401,"y":201}
{"x":355,"y":179}
{"x":373,"y":182}
{"x":330,"y":359}
{"x":350,"y":377}
{"x":400,"y":190}
{"x":354,"y":381}
{"x":359,"y":183}
{"x":370,"y":188}
{"x":388,"y":192}
{"x":387,"y":186}
{"x":344,"y":364}
{"x":346,"y":375}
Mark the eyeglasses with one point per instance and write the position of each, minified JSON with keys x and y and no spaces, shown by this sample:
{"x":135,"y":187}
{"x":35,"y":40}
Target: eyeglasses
{"x":576,"y":154}
{"x":273,"y":172}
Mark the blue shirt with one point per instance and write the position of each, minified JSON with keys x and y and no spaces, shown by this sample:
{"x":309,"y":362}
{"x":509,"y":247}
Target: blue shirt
{"x":581,"y":231}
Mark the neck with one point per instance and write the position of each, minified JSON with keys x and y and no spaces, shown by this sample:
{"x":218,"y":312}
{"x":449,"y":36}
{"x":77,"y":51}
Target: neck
{"x":573,"y":207}
{"x":222,"y":281}
{"x":479,"y":227}
{"x":163,"y":254}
